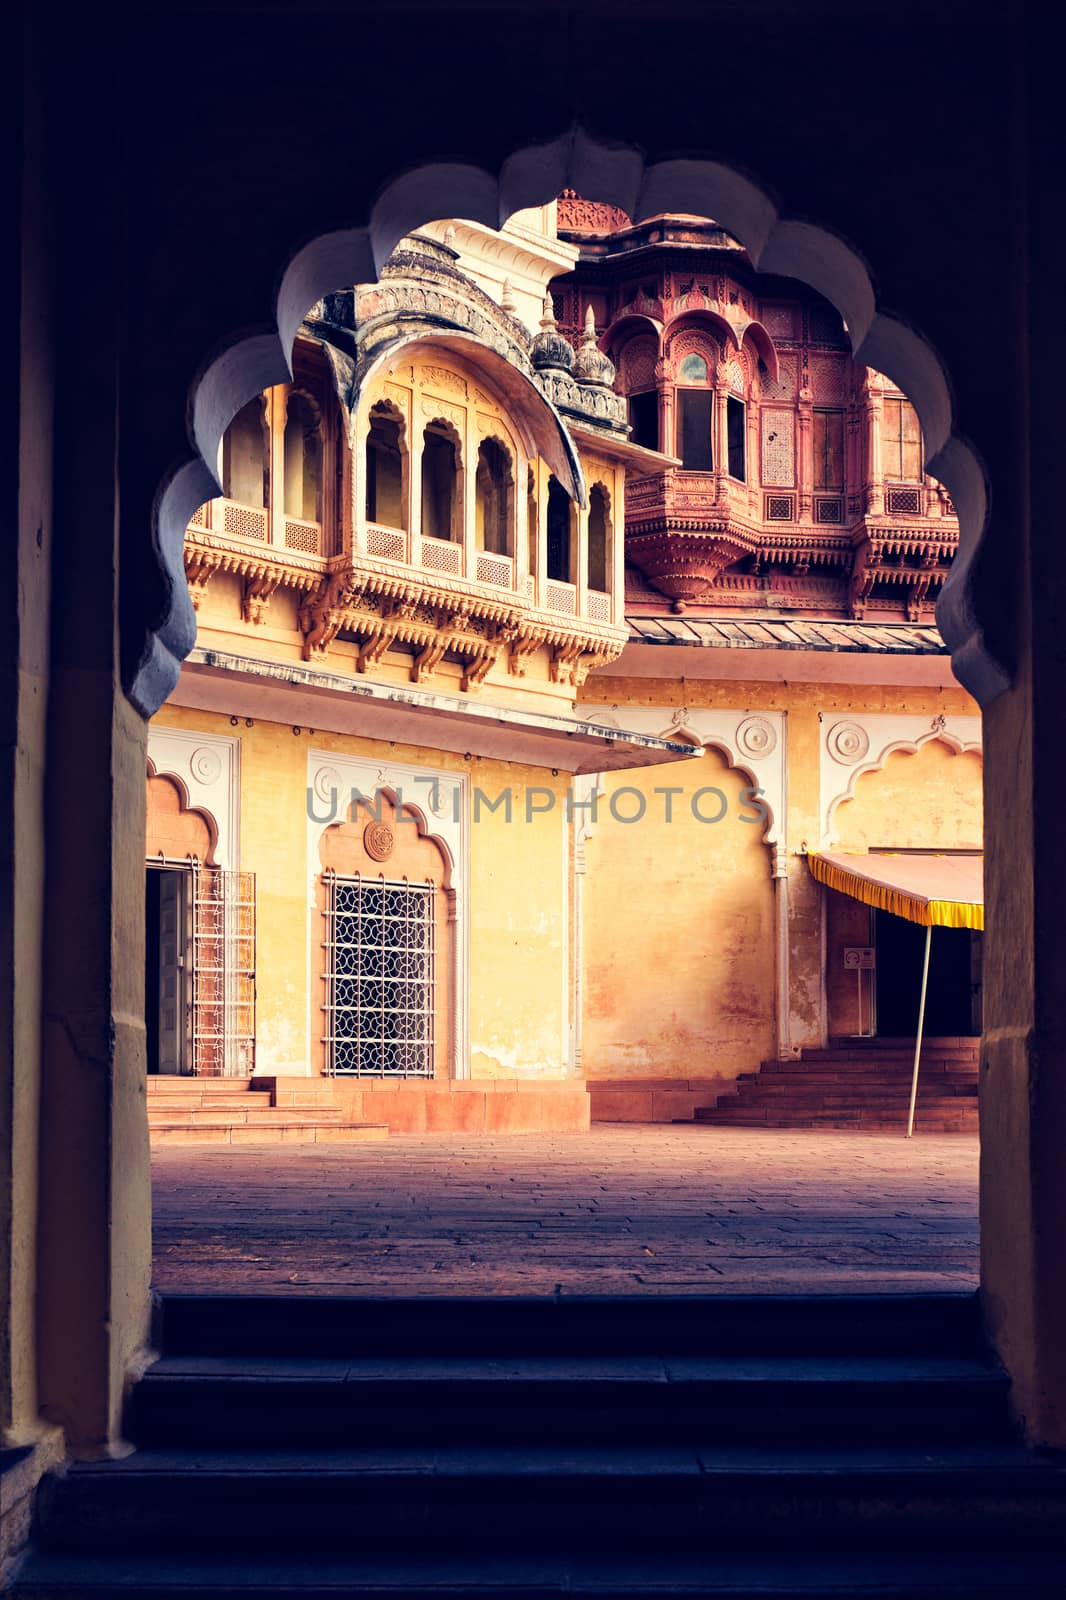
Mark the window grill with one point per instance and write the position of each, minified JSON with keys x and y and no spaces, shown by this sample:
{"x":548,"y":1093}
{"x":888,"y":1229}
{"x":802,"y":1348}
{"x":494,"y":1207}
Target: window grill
{"x":779,"y":508}
{"x":222,"y":950}
{"x":903,"y":502}
{"x":380,"y":977}
{"x":828,"y":508}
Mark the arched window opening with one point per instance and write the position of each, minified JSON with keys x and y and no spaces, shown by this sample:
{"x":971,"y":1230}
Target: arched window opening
{"x":246,"y":456}
{"x":902,"y":442}
{"x":494,"y":499}
{"x":734,"y":418}
{"x":303,"y":459}
{"x":695,"y":413}
{"x":386,"y":501}
{"x":441,"y":466}
{"x":644,"y":419}
{"x":560,"y":533}
{"x":599,"y":538}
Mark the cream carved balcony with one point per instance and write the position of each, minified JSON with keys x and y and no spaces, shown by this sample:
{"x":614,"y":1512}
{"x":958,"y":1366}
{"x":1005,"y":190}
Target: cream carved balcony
{"x":428,"y":597}
{"x":437,"y":597}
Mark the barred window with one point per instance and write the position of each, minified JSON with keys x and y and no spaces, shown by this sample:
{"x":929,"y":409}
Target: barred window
{"x":902,"y":440}
{"x":829,"y":449}
{"x":380,"y":979}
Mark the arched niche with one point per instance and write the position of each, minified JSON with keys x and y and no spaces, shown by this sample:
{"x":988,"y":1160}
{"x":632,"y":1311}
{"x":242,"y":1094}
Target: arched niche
{"x":175,"y":829}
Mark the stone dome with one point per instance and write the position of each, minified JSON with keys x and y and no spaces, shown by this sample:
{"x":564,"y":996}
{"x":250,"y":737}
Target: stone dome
{"x":590,"y":363}
{"x":550,"y":348}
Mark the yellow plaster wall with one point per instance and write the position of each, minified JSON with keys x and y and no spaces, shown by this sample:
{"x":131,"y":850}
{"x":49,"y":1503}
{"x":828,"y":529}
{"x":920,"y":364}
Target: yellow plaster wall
{"x":916,"y":800}
{"x":517,"y":908}
{"x":678,"y":939}
{"x":803,"y":705}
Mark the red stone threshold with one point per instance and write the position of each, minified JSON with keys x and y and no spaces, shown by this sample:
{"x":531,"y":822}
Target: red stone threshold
{"x":653,"y":1099}
{"x":466,"y":1105}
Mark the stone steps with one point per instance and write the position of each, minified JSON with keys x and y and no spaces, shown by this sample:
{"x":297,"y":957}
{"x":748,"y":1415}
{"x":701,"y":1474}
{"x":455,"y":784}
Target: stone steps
{"x":521,"y":1446}
{"x":865,"y":1087}
{"x":251,"y":1111}
{"x":880,"y":1574}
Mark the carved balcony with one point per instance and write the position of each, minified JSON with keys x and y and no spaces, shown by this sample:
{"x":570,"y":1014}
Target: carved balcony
{"x":429,"y":598}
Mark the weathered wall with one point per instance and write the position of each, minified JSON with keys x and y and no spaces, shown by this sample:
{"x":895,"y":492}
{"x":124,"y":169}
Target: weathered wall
{"x":937,"y":799}
{"x":916,"y":801}
{"x":517,"y":901}
{"x":678,"y":930}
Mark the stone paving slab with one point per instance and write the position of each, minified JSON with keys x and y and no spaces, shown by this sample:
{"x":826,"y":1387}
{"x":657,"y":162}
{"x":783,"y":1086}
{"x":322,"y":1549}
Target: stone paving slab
{"x":623,"y":1208}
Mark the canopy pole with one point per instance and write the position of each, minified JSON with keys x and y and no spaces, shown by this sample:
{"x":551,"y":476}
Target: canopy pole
{"x":921,"y":1026}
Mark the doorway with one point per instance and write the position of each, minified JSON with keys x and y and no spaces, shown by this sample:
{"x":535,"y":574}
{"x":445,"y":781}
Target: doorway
{"x":166,"y":978}
{"x":953,"y":999}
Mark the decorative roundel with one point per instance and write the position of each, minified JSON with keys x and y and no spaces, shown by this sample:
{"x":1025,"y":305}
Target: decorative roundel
{"x":440,"y":799}
{"x":379,"y":841}
{"x":847,"y":743}
{"x":205,"y":764}
{"x":756,"y":737}
{"x":327,"y":786}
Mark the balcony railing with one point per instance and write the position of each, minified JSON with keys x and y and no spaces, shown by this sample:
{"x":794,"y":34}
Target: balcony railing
{"x":241,"y":522}
{"x":497,"y":570}
{"x":442,"y":555}
{"x":303,"y":536}
{"x":391,"y":544}
{"x":561,"y":597}
{"x":269,"y":531}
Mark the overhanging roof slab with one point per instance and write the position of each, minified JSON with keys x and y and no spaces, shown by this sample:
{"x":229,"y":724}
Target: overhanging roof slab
{"x":303,"y":696}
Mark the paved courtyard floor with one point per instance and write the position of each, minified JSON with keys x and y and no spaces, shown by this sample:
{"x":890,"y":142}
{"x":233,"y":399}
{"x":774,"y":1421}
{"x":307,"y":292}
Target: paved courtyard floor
{"x":623,"y":1209}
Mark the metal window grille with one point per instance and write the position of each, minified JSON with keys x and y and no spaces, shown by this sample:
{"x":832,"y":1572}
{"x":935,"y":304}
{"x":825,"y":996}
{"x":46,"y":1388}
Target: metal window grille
{"x":222,"y":947}
{"x":380,"y":977}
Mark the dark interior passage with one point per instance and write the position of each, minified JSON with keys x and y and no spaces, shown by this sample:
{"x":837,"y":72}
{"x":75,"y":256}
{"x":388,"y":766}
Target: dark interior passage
{"x":952,"y":1005}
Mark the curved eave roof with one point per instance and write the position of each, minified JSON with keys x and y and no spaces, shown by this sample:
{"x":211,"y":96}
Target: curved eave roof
{"x":525,"y":401}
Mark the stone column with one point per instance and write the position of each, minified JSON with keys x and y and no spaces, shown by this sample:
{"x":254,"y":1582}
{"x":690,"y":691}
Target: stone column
{"x":664,"y":386}
{"x":804,"y":454}
{"x":875,"y":473}
{"x":94,"y":1235}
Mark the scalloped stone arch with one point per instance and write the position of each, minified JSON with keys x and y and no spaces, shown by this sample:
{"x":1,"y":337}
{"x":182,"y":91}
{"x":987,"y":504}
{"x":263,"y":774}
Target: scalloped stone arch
{"x":403,"y":807}
{"x":616,"y":175}
{"x":159,"y":774}
{"x":685,"y":727}
{"x":910,"y":747}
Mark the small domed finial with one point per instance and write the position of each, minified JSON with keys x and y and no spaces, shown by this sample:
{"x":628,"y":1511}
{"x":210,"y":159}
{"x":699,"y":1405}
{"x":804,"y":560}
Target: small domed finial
{"x":449,"y":233}
{"x":550,"y":349}
{"x":507,"y":295}
{"x":590,"y":363}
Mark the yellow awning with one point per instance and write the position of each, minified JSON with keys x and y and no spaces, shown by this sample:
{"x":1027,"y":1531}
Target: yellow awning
{"x":938,"y":891}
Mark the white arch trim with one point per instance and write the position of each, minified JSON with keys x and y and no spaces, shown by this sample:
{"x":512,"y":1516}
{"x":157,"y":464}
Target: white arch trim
{"x":852,"y":744}
{"x":751,"y":741}
{"x":208,"y":765}
{"x":618,"y":175}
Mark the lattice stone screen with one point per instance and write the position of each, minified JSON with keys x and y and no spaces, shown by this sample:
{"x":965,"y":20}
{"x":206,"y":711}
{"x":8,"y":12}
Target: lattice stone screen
{"x":778,"y":448}
{"x":222,"y":949}
{"x":379,"y":977}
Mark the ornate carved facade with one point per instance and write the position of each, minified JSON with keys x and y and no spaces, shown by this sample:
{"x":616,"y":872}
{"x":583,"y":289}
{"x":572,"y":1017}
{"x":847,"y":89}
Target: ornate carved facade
{"x":436,"y":493}
{"x":799,"y":481}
